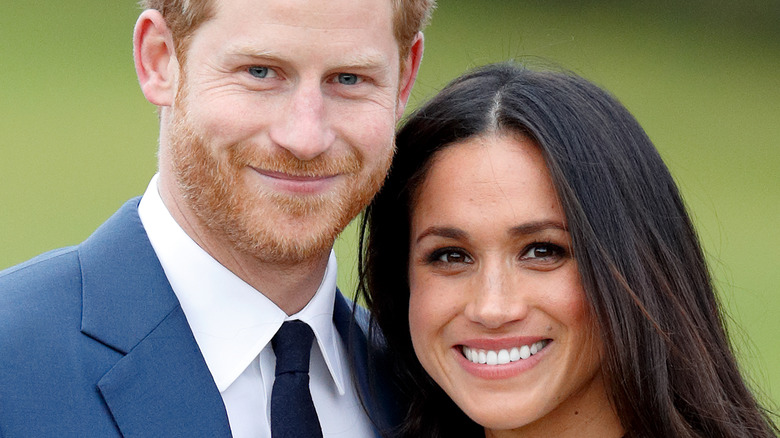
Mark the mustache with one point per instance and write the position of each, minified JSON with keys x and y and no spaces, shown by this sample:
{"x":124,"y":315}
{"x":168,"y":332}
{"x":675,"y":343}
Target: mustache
{"x":284,"y":161}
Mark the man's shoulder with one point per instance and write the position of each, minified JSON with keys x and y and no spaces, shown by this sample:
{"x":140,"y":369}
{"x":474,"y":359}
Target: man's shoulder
{"x":33,"y":288}
{"x":40,"y":264}
{"x":34,"y":291}
{"x":40,"y":320}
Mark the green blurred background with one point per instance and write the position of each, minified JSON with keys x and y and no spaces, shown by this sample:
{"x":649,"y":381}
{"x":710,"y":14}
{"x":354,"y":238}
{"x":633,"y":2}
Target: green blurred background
{"x":77,"y":137}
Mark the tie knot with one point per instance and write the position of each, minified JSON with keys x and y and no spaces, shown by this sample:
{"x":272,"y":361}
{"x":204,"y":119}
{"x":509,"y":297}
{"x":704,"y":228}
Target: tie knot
{"x":292,"y":346}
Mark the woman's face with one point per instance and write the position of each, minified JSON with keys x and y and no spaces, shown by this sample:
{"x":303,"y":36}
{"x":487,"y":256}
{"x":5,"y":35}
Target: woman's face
{"x":497,"y":312}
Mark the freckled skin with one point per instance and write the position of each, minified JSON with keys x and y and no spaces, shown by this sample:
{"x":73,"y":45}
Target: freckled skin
{"x":299,"y":110}
{"x":506,"y":273}
{"x":280,"y":131}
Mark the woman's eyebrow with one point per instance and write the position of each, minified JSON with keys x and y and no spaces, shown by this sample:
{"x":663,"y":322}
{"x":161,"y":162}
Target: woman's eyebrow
{"x":535,"y":227}
{"x":522,"y":230}
{"x":448,"y":232}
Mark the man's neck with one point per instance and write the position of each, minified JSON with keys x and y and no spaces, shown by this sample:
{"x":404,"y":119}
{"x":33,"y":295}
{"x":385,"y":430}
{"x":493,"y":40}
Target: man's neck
{"x":290,"y":286}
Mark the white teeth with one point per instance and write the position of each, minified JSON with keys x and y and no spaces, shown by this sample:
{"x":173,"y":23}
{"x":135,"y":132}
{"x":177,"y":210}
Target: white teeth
{"x":492,"y":357}
{"x":502,"y":357}
{"x":525,"y":352}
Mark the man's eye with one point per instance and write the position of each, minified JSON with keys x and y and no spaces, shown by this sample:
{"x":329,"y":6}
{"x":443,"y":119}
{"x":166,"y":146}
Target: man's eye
{"x":348,"y":79}
{"x":261,"y":72}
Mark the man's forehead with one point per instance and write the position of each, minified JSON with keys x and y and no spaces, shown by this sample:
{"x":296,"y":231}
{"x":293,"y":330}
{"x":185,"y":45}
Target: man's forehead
{"x":308,"y":14}
{"x":291,"y":33}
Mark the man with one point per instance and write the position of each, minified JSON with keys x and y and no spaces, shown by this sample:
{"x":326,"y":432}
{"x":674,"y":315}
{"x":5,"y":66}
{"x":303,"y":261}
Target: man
{"x":276,"y":129}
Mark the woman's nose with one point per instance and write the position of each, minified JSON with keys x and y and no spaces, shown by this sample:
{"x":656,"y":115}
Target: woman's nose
{"x":496,"y":299}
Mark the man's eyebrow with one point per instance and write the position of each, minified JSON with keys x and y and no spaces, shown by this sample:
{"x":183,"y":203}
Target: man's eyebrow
{"x":535,"y":227}
{"x":447,"y":232}
{"x":241,"y":50}
{"x":365,"y":61}
{"x":358,"y":61}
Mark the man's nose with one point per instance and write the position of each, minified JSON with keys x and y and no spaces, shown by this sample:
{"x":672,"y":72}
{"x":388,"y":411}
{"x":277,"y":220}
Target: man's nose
{"x":496,"y":299}
{"x":302,"y":127}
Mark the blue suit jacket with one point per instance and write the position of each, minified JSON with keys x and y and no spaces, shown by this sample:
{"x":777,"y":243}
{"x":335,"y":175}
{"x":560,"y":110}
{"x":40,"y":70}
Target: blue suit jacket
{"x":93,"y":342}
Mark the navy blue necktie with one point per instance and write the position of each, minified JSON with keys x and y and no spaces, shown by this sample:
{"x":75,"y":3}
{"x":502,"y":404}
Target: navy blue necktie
{"x":292,"y":409}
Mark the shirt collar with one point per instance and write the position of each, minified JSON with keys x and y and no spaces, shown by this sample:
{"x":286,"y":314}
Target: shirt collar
{"x":231,"y":321}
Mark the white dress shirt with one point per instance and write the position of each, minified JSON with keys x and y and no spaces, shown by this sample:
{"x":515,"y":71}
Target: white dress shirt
{"x":233,"y":325}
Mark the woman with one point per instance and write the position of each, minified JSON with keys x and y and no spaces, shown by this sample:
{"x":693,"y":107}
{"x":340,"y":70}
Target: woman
{"x":534,"y":241}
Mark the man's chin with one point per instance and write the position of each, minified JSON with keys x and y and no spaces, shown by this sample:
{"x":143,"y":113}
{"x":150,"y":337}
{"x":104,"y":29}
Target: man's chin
{"x":288,"y":251}
{"x":288,"y":239}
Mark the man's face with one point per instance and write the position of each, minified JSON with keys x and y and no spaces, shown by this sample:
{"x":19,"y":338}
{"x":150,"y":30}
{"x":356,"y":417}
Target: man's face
{"x":282,"y":128}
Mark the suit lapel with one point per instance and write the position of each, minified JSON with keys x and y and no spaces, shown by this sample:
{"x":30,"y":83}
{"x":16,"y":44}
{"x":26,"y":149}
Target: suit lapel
{"x":156,"y":391}
{"x":162,"y":386}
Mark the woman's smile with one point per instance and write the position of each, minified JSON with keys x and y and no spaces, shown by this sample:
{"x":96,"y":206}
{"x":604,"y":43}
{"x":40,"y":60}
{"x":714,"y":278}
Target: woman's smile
{"x":497,"y":312}
{"x":503,"y":356}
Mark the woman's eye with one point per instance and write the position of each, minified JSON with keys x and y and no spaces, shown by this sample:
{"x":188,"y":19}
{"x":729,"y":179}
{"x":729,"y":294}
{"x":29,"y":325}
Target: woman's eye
{"x":348,"y":79}
{"x":543,"y":251}
{"x":261,"y":72}
{"x":450,"y":256}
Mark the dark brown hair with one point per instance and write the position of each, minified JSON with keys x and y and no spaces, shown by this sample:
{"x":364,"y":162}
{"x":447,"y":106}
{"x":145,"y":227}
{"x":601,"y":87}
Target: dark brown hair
{"x":667,"y":363}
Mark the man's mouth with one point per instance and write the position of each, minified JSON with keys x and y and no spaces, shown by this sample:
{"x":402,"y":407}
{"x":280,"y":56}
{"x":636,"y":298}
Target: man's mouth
{"x":504,"y":356}
{"x":302,"y":177}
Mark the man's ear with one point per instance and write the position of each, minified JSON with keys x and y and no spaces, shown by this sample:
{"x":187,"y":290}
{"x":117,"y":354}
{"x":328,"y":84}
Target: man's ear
{"x":411,"y":65}
{"x":155,"y":58}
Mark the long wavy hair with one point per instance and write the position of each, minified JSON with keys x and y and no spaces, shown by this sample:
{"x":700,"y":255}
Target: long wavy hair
{"x":667,"y":362}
